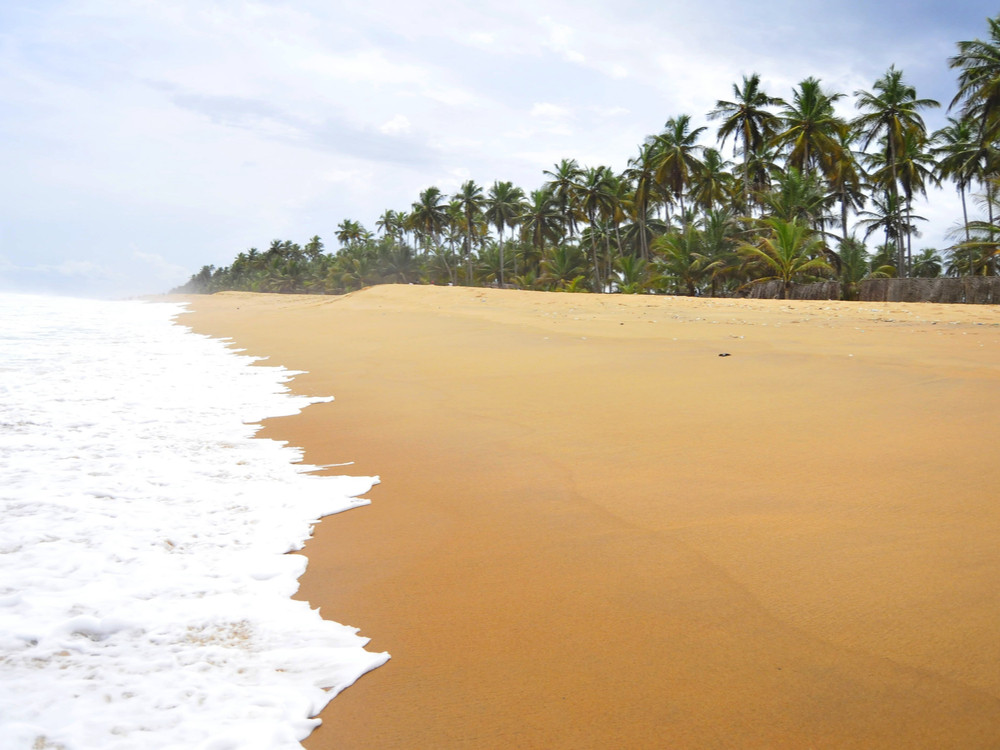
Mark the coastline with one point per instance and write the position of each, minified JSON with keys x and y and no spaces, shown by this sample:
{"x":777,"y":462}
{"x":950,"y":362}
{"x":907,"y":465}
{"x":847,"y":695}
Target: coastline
{"x":593,"y":531}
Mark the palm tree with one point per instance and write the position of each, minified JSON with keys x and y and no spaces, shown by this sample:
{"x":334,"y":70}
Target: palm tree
{"x":928,"y":264}
{"x":276,"y":250}
{"x":913,"y":169}
{"x":504,"y":205}
{"x":565,"y":175}
{"x":891,"y":114}
{"x":454,"y":230}
{"x":595,"y":196}
{"x":854,"y":266}
{"x":429,"y":216}
{"x":748,"y":121}
{"x":675,"y":159}
{"x":796,"y":195}
{"x":678,"y":259}
{"x":313,"y":247}
{"x":961,"y":157}
{"x":642,"y":175}
{"x":288,"y":250}
{"x":389,"y":224}
{"x":632,"y":274}
{"x":981,"y":254}
{"x":640,"y":231}
{"x":397,"y":262}
{"x":353,"y":272}
{"x":761,"y":168}
{"x":488,"y":265}
{"x":564,"y":267}
{"x":541,"y":220}
{"x":788,"y":251}
{"x":404,"y":225}
{"x":717,"y":245}
{"x":620,"y":208}
{"x":888,"y":214}
{"x":350,"y":232}
{"x":441,"y":266}
{"x":470,"y":202}
{"x":712,"y":184}
{"x":847,"y":180}
{"x":812,"y":130}
{"x":526,"y":260}
{"x":979,"y":81}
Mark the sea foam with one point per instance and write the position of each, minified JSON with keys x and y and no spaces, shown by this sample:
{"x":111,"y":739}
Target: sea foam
{"x":144,"y":585}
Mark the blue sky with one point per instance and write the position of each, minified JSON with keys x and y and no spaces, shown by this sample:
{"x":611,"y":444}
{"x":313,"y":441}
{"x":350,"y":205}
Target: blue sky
{"x":140,"y":140}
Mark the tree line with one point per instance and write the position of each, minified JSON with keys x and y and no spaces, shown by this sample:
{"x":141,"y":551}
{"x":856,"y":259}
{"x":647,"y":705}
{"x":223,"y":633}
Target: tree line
{"x":684,"y":219}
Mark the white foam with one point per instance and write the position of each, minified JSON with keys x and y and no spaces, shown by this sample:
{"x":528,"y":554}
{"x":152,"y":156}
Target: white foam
{"x":144,"y":585}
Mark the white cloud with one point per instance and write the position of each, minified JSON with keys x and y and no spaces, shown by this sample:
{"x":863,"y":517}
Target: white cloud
{"x":482,"y":39}
{"x":548,"y":111}
{"x":369,"y":66}
{"x":614,"y":111}
{"x":397,"y":125}
{"x":560,"y":38}
{"x":345,"y":175}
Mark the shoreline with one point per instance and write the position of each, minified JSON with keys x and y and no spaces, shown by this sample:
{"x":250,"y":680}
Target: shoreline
{"x":592,"y":531}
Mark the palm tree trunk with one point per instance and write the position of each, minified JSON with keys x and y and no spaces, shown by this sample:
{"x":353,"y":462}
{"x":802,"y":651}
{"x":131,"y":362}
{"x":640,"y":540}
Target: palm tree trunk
{"x":593,"y":256}
{"x":989,"y":204}
{"x":500,"y":232}
{"x":608,"y":264}
{"x":909,"y":241}
{"x":965,"y":212}
{"x":843,"y":209}
{"x":468,"y":250}
{"x":746,"y":175}
{"x":643,"y":245}
{"x":887,"y":235}
{"x":900,"y":250}
{"x":515,"y":258}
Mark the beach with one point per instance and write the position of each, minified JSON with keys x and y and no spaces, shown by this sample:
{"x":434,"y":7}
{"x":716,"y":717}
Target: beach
{"x":593,"y":530}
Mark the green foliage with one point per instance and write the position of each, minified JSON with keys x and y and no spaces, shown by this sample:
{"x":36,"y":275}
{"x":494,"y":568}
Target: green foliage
{"x":749,"y":121}
{"x":786,"y":251}
{"x":633,"y":275}
{"x":854,"y":265}
{"x":812,"y":129}
{"x":564,"y":266}
{"x":678,"y":261}
{"x":928,"y":264}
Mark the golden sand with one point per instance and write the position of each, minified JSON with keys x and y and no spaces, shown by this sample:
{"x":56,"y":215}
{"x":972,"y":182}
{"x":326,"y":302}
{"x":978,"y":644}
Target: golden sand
{"x":594,"y":532}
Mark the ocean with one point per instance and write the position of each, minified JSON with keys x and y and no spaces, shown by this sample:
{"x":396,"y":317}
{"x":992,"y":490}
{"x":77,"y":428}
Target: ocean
{"x":144,"y":586}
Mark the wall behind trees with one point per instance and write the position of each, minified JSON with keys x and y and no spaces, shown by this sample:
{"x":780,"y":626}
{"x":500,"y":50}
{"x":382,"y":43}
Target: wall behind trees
{"x":978,"y":290}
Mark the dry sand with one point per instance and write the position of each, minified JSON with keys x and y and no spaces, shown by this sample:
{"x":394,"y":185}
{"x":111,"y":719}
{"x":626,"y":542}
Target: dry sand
{"x":594,"y":532}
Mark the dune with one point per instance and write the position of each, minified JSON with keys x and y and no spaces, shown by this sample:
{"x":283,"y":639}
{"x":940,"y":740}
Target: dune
{"x":595,"y":531}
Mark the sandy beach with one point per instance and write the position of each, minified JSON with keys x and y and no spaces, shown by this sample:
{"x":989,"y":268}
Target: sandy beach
{"x":593,"y":531}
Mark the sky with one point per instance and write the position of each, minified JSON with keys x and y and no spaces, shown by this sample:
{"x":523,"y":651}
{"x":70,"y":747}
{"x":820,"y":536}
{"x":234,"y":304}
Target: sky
{"x":143,"y":139}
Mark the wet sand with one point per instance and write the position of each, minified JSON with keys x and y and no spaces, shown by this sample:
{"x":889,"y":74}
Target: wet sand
{"x":593,"y":531}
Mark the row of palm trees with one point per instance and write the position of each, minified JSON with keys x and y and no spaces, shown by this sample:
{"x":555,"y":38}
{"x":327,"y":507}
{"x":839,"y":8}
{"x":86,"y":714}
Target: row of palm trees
{"x":683,"y":218}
